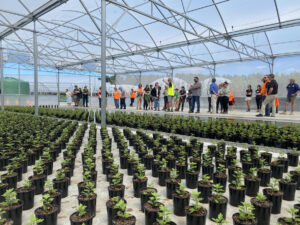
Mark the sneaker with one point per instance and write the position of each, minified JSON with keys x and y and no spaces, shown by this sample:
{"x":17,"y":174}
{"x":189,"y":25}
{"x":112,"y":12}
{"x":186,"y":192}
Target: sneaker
{"x":272,"y":116}
{"x":283,"y":113}
{"x":292,"y":113}
{"x":197,"y":112}
{"x":259,"y":115}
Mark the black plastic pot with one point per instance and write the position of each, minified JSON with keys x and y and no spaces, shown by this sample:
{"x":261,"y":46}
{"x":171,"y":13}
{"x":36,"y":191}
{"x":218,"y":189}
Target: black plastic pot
{"x":111,"y":212}
{"x":252,"y":186}
{"x":198,"y":163}
{"x":19,"y":171}
{"x":150,"y":215}
{"x":220,"y":179}
{"x":246,"y":167}
{"x":275,"y":198}
{"x":38,"y":182}
{"x":195,"y":219}
{"x":3,"y":188}
{"x":171,"y":163}
{"x":288,"y":190}
{"x":27,"y":197}
{"x":180,"y":203}
{"x":231,"y":171}
{"x":296,"y":178}
{"x":148,"y":161}
{"x":171,"y":187}
{"x":62,"y":186}
{"x":15,"y":213}
{"x":216,"y":208}
{"x":162,"y":176}
{"x":191,"y":179}
{"x":56,"y":200}
{"x":285,"y":163}
{"x":48,"y":219}
{"x":90,"y":203}
{"x":236,"y":196}
{"x":128,"y":221}
{"x":229,"y":159}
{"x":265,"y":177}
{"x":277,"y":171}
{"x":262,"y":213}
{"x":267,"y":157}
{"x":130,"y":167}
{"x":209,"y":170}
{"x":205,"y":191}
{"x":123,"y":162}
{"x":181,"y":170}
{"x":155,"y":168}
{"x":293,"y":159}
{"x":116,"y":192}
{"x":236,"y":221}
{"x":87,"y":221}
{"x":138,"y":185}
{"x":11,"y":180}
{"x":145,"y":196}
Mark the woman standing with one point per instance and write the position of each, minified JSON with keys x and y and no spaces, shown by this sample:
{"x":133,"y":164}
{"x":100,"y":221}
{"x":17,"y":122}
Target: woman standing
{"x":139,"y":97}
{"x":69,"y":98}
{"x":248,"y":97}
{"x":170,"y":86}
{"x":147,"y":93}
{"x":258,"y":98}
{"x":225,"y":98}
{"x":165,"y":92}
{"x":176,"y":99}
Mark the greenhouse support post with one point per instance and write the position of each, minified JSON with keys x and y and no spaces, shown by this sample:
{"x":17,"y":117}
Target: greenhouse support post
{"x":103,"y":62}
{"x":19,"y":83}
{"x":35,"y":52}
{"x":2,"y":76}
{"x":58,"y":88}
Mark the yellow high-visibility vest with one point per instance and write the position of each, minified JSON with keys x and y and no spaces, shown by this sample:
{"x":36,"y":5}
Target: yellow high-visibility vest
{"x":171,"y":90}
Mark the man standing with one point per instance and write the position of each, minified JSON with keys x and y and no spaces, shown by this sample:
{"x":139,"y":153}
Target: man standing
{"x":213,"y":90}
{"x":85,"y":96}
{"x":123,"y":99}
{"x":272,"y":90}
{"x":209,"y":99}
{"x":155,"y":93}
{"x":264,"y":94}
{"x":99,"y":96}
{"x":292,"y":91}
{"x":76,"y":95}
{"x":196,"y":92}
{"x":116,"y":98}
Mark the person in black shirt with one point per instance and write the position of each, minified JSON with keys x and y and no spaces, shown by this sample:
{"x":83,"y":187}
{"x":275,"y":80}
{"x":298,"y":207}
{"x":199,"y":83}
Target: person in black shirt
{"x":258,"y":97}
{"x":272,"y":90}
{"x":248,"y":97}
{"x":182,"y":97}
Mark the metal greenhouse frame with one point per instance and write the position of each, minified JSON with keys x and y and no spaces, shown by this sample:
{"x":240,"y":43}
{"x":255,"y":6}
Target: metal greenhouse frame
{"x":68,"y":34}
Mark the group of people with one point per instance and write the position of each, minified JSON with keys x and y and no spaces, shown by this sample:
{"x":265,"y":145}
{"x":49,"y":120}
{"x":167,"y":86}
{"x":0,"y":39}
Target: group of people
{"x":149,"y":97}
{"x":266,"y":96}
{"x":79,"y":96}
{"x":219,"y":97}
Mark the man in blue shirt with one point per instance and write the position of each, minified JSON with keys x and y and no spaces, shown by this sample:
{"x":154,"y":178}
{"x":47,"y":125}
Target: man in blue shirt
{"x":292,"y":91}
{"x":213,"y":90}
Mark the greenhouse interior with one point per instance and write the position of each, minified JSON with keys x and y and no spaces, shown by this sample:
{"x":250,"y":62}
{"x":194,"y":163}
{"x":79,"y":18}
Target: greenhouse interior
{"x":155,"y":112}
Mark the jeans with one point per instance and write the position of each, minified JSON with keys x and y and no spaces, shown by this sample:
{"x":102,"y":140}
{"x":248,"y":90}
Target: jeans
{"x":132,"y":101}
{"x":116,"y":103}
{"x":225,"y":101}
{"x":85,"y":100}
{"x":209,"y":104}
{"x":156,"y":103}
{"x":258,"y":99}
{"x":181,"y":103}
{"x":123,"y":103}
{"x":165,"y":102}
{"x":219,"y":100}
{"x":99,"y":102}
{"x":195,"y":99}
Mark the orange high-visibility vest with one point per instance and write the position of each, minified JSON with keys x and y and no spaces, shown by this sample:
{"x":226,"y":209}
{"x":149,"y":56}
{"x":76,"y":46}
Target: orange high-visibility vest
{"x":231,"y":96}
{"x":277,"y":102}
{"x":132,"y":94}
{"x":116,"y":95}
{"x":99,"y":93}
{"x":263,"y":88}
{"x":123,"y":94}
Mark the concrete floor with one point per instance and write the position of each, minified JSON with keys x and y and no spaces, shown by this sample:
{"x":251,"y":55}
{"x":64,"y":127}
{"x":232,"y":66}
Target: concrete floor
{"x":70,"y":203}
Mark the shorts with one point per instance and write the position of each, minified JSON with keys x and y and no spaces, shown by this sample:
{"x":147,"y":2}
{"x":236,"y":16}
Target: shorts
{"x":291,"y":99}
{"x":248,"y":98}
{"x":231,"y":103}
{"x":170,"y":98}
